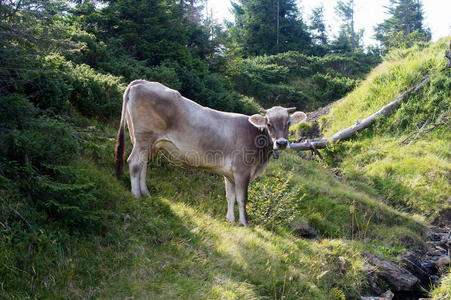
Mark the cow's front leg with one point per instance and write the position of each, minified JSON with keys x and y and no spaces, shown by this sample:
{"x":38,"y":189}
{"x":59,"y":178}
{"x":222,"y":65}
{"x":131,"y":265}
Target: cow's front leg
{"x":230,"y":194}
{"x":241,"y":186}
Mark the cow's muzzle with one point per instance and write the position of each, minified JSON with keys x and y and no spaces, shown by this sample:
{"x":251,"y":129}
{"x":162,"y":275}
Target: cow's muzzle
{"x":280,"y":144}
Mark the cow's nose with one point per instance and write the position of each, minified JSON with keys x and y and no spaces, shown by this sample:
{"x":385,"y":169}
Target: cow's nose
{"x":282,"y":143}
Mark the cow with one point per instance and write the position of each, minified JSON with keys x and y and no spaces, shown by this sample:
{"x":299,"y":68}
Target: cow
{"x":233,"y":145}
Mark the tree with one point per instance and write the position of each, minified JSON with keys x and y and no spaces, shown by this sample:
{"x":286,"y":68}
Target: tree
{"x":345,"y":10}
{"x":404,"y":25}
{"x":318,"y":27}
{"x":268,"y":27}
{"x":151,"y":30}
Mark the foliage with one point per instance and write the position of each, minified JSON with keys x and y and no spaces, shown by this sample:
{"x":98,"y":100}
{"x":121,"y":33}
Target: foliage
{"x":404,"y":26}
{"x":272,"y":202}
{"x":294,"y":79}
{"x":443,"y":290}
{"x":268,"y":27}
{"x":318,"y":26}
{"x":348,"y":39}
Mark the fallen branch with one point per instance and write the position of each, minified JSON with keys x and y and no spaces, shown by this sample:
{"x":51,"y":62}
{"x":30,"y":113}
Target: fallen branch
{"x":360,"y":125}
{"x":423,"y":129}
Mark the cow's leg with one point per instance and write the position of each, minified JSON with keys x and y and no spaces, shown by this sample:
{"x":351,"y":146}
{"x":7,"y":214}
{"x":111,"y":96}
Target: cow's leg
{"x":241,"y":186}
{"x":142,"y":176}
{"x":136,"y":164}
{"x":130,"y":126}
{"x":230,"y":194}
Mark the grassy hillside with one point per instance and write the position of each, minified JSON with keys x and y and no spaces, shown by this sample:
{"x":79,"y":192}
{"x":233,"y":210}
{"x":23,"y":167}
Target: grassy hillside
{"x":410,"y":171}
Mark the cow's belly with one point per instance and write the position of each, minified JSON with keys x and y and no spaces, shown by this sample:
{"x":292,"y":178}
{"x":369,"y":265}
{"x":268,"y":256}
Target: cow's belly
{"x":183,"y":155}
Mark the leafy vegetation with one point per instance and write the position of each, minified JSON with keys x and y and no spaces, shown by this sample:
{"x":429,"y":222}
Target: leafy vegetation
{"x":295,"y":79}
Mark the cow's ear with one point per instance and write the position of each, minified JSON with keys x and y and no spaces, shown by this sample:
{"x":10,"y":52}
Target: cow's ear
{"x":297,"y":117}
{"x":258,"y":121}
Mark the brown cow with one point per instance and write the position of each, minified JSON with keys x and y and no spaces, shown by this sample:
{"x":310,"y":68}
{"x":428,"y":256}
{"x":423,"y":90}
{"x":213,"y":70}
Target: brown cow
{"x":229,"y":144}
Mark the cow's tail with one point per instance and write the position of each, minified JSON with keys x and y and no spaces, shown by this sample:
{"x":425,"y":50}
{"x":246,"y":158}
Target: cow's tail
{"x":120,"y":140}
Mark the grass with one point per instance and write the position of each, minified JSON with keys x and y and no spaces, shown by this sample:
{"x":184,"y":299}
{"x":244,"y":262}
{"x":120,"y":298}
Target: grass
{"x":410,"y":176}
{"x":177,"y":244}
{"x":443,"y":290}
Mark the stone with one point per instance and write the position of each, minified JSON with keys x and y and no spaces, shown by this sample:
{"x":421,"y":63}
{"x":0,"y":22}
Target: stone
{"x":442,"y":261}
{"x":388,"y":294}
{"x":397,"y":277}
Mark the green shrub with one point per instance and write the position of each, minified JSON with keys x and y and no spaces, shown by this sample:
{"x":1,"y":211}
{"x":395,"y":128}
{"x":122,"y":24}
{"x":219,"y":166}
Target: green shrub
{"x":294,"y":79}
{"x":16,"y":111}
{"x":94,"y":94}
{"x":273,"y":201}
{"x":327,"y":88}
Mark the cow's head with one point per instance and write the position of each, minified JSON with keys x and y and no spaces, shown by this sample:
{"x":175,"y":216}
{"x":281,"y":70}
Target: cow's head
{"x":277,"y":120}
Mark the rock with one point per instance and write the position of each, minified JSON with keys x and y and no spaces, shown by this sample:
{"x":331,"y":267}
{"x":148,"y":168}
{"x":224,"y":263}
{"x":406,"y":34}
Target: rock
{"x":410,"y":261}
{"x":372,"y":278}
{"x":429,"y":266}
{"x":397,"y":277}
{"x":434,"y":252}
{"x":442,"y":261}
{"x":388,"y":294}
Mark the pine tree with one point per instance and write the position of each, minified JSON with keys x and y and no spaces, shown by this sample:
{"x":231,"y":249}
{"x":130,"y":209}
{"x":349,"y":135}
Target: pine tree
{"x":404,"y":26}
{"x":318,"y":27}
{"x":345,"y":10}
{"x":268,"y":27}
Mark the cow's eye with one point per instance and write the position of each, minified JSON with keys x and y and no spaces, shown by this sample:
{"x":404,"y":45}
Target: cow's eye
{"x":269,"y":125}
{"x":288,"y":123}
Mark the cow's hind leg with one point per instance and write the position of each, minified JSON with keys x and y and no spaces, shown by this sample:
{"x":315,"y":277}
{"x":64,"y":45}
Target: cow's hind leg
{"x":143,"y":174}
{"x":137,"y":162}
{"x":230,"y":194}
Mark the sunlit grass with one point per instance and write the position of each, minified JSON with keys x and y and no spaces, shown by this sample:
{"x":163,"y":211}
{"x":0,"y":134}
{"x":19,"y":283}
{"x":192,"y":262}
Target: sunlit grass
{"x":411,"y":175}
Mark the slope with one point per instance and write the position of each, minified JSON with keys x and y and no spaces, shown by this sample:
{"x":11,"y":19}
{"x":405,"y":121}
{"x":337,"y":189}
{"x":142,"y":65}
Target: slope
{"x":406,"y":156}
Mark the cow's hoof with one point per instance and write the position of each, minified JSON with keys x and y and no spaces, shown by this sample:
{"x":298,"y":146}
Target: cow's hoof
{"x":244,"y":224}
{"x":231,"y":221}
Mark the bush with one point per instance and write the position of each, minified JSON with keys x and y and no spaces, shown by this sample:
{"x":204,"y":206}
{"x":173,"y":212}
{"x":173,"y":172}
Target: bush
{"x":273,"y":202}
{"x":294,"y":79}
{"x":328,"y":88}
{"x":95,"y":95}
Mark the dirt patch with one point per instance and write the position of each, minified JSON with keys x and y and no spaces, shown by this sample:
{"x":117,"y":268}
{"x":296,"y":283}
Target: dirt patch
{"x":315,"y":115}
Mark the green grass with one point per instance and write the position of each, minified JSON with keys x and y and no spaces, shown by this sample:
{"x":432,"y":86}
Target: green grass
{"x":177,"y":244}
{"x":410,"y":176}
{"x":443,"y":290}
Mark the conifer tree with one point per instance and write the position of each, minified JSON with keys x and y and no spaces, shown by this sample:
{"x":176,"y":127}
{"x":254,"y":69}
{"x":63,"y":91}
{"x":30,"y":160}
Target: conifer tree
{"x":268,"y":27}
{"x":404,"y":25}
{"x":318,"y":26}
